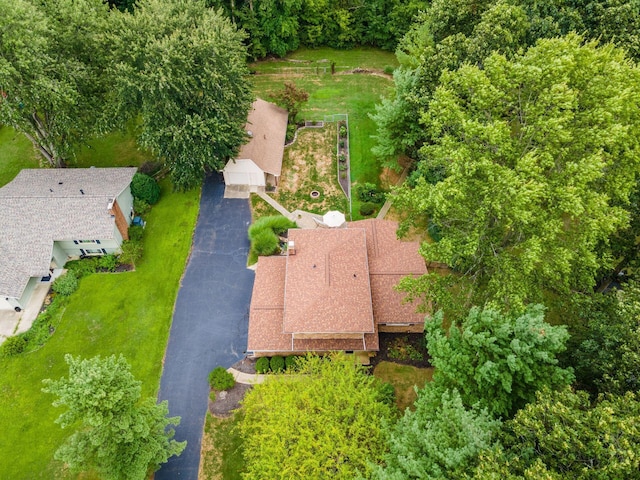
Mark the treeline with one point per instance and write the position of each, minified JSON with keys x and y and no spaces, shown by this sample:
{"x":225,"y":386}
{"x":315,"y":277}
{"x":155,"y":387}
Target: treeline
{"x":277,"y":27}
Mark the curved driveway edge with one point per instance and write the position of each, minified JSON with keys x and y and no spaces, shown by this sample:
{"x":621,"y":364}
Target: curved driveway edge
{"x":210,"y":320}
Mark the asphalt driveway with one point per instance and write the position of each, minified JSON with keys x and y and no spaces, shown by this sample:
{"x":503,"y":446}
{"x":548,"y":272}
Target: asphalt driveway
{"x":210,"y":320}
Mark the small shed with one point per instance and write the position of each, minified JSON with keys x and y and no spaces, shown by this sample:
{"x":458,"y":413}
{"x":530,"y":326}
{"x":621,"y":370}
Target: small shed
{"x":259,"y":162}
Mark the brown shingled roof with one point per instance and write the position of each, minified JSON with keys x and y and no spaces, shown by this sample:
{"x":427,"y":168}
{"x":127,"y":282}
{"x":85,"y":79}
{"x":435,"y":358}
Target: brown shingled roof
{"x":327,"y":283}
{"x":268,"y":126}
{"x":314,"y":292}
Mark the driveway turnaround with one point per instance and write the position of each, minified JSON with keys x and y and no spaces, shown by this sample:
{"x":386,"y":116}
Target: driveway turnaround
{"x":210,"y":320}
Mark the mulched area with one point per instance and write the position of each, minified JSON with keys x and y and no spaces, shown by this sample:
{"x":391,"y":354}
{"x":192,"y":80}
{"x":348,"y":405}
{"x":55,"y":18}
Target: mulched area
{"x":416,"y":340}
{"x":246,"y":365}
{"x":227,"y":402}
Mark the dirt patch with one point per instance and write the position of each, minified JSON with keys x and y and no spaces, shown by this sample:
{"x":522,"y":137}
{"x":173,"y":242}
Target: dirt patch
{"x":311,"y":164}
{"x":226,"y":402}
{"x":246,"y":365}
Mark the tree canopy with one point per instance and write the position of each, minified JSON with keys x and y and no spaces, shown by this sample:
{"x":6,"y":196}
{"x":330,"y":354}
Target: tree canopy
{"x":326,"y":422}
{"x":540,"y":157}
{"x":563,"y":436}
{"x":182,"y":67}
{"x":121,"y":435}
{"x":53,"y":74}
{"x":495,"y":360}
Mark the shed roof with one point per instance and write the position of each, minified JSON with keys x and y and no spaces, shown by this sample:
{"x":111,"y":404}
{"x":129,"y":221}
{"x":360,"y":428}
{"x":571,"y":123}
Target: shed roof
{"x":268,"y":126}
{"x":41,"y":206}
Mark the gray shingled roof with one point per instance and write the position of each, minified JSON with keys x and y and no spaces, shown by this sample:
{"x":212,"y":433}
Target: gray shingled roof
{"x":41,"y":206}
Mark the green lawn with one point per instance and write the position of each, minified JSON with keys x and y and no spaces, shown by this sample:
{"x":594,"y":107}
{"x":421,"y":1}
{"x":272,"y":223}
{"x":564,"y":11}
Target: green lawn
{"x":353,"y":94}
{"x":16,"y":153}
{"x":221,"y":449}
{"x":128,"y":313}
{"x":404,"y":379}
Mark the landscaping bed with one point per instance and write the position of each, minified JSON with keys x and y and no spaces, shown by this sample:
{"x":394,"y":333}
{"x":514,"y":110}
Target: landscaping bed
{"x":402,"y":348}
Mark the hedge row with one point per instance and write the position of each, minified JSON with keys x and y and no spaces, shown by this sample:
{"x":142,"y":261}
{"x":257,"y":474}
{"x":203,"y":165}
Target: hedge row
{"x":277,"y":364}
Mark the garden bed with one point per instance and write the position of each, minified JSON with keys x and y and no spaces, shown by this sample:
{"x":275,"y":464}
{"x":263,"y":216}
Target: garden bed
{"x":402,"y":348}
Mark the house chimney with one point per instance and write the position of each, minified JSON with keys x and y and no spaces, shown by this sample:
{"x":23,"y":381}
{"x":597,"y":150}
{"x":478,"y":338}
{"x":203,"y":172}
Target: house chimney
{"x":291,"y":247}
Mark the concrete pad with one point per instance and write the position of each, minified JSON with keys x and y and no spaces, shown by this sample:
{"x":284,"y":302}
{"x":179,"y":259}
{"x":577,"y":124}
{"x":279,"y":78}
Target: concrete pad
{"x":33,"y":307}
{"x":9,"y":320}
{"x":236,"y":191}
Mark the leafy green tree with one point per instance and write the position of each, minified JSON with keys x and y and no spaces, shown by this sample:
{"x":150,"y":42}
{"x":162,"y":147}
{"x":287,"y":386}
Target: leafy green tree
{"x":440,"y":439}
{"x":292,"y":97}
{"x":54,"y":72}
{"x":607,"y":359}
{"x":495,"y":360}
{"x":563,"y":436}
{"x":325,"y":422}
{"x":539,"y":168}
{"x":121,"y":436}
{"x":182,"y":66}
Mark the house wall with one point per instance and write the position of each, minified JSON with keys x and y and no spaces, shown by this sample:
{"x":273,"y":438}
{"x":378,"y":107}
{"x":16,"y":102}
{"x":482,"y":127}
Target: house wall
{"x":243,"y":172}
{"x":327,"y":336}
{"x":75,"y":248}
{"x":411,"y":328}
{"x":4,"y":304}
{"x":59,"y":256}
{"x":28,"y":291}
{"x":125,"y":202}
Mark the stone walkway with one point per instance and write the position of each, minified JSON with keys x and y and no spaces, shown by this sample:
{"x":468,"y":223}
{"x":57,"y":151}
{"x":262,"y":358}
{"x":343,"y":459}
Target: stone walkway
{"x":303,"y":219}
{"x":246,"y":378}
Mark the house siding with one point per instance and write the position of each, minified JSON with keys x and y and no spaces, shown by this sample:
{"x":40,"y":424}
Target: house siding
{"x":243,"y":171}
{"x":59,"y":256}
{"x":72,"y":249}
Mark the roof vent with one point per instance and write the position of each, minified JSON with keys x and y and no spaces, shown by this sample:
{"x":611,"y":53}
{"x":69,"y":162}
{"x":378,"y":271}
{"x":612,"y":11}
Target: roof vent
{"x":59,"y":183}
{"x":110,"y":205}
{"x":291,"y":247}
{"x":82,"y":191}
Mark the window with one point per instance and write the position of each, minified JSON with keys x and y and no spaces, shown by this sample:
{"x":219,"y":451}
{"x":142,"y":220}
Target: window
{"x":84,"y":242}
{"x":93,"y":251}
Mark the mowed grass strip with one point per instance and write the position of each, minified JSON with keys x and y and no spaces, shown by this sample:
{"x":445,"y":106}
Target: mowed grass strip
{"x":128,"y":313}
{"x":16,"y":153}
{"x":404,"y":379}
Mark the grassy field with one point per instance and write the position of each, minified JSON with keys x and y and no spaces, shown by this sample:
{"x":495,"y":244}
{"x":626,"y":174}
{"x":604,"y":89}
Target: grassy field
{"x":342,"y":93}
{"x":128,"y":313}
{"x":403,"y":378}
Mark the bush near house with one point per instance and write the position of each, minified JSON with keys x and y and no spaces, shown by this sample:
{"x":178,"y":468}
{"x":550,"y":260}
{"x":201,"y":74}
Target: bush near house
{"x":263,"y":235}
{"x":13,"y":346}
{"x":220,"y":379}
{"x":292,"y":362}
{"x":367,"y":209}
{"x":277,"y":364}
{"x":66,"y":284}
{"x":262,"y":365}
{"x":145,"y":188}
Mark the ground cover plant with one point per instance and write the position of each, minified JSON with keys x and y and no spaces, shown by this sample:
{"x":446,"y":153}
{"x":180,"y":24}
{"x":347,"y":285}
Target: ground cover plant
{"x":405,"y":379}
{"x":344,"y":92}
{"x":128,"y":313}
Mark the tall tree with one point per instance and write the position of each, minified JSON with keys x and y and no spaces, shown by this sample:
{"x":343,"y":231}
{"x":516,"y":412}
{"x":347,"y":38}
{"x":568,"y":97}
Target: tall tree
{"x":325,"y":423}
{"x":563,"y":436}
{"x":292,"y":97}
{"x":440,"y":439}
{"x":183,"y":67}
{"x":53,"y":72}
{"x":497,"y":361}
{"x":540,"y":154}
{"x":121,"y":435}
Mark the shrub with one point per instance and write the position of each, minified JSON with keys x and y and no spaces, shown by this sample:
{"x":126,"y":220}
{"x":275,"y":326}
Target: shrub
{"x":220,"y":379}
{"x":291,"y":362}
{"x":343,"y":131}
{"x":145,"y":188}
{"x":135,"y":233}
{"x":369,"y":192}
{"x":108,"y":262}
{"x":262,"y":365}
{"x":140,"y":207}
{"x":13,"y":346}
{"x":278,"y":223}
{"x":342,"y":157}
{"x":341,"y":143}
{"x":150,"y":168}
{"x":343,"y":167}
{"x":434,"y":231}
{"x":388,"y":69}
{"x":265,"y":242}
{"x":277,"y":364}
{"x":83,"y":267}
{"x":367,"y":209}
{"x":66,"y":284}
{"x":387,"y":393}
{"x":291,"y":132}
{"x":131,"y":252}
